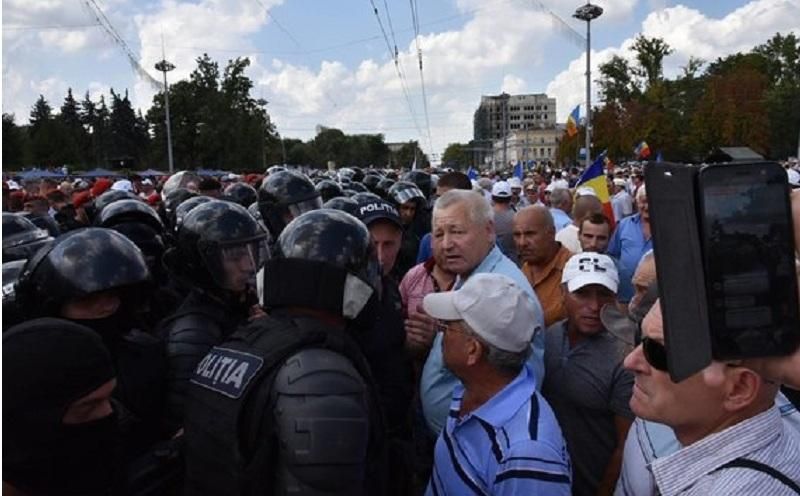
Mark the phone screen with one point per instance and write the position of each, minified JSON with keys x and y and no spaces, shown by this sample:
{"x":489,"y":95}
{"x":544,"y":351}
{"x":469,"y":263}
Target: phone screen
{"x":748,"y":246}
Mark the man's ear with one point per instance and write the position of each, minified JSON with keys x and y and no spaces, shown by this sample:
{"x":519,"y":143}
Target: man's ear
{"x":742,"y":388}
{"x":474,"y":352}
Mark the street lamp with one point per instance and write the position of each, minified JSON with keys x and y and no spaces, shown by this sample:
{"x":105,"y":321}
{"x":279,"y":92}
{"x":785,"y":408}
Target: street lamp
{"x":587,"y":13}
{"x":165,"y":67}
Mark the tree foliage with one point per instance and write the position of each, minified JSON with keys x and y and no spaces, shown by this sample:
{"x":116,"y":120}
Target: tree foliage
{"x":745,"y":99}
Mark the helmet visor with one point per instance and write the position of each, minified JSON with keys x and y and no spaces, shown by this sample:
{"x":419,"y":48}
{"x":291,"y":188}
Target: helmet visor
{"x":301,"y":207}
{"x":234,"y":266}
{"x":408,"y":194}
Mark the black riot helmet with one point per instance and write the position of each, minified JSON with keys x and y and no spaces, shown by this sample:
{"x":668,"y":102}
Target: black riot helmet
{"x":186,"y":206}
{"x":371,"y":182}
{"x":358,"y":175}
{"x":129,"y":210}
{"x":422,"y":179}
{"x":284,"y":196}
{"x":171,"y":202}
{"x":181,"y":179}
{"x":21,"y":238}
{"x":218,"y":246}
{"x":109,"y":197}
{"x":329,"y":189}
{"x":325,"y":260}
{"x":358,"y":187}
{"x":241,"y":193}
{"x":382,"y":188}
{"x":403,"y":191}
{"x":77,"y":264}
{"x":364,"y":197}
{"x":342,"y":203}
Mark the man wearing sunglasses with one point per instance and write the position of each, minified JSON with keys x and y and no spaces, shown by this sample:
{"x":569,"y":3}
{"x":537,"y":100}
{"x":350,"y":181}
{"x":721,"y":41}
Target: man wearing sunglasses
{"x":732,"y":438}
{"x":584,"y":378}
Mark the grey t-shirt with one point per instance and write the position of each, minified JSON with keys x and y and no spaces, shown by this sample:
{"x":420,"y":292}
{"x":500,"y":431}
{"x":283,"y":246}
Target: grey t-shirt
{"x":503,"y":228}
{"x":586,"y":386}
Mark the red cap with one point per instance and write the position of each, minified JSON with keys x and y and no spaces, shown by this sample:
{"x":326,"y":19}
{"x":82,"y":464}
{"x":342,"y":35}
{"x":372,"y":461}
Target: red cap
{"x":101,"y":186}
{"x":79,"y":199}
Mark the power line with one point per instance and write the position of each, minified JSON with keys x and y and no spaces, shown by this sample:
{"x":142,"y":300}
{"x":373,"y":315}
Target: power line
{"x":105,"y":23}
{"x":415,"y":23}
{"x":395,"y":57}
{"x":12,"y":27}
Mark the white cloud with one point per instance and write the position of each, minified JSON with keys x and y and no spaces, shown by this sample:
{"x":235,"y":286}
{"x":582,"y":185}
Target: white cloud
{"x":690,"y":33}
{"x":513,"y":84}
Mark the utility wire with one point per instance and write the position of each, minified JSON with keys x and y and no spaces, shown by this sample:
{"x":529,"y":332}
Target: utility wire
{"x":133,"y":59}
{"x":415,"y":23}
{"x":291,"y":37}
{"x":395,"y":57}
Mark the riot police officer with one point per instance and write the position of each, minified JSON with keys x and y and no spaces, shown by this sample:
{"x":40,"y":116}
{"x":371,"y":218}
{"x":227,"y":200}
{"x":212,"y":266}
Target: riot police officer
{"x":217,"y":253}
{"x":286,"y":405}
{"x":98,"y":278}
{"x":283,"y":196}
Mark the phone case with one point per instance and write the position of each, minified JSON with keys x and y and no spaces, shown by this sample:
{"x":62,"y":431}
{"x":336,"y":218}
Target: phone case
{"x":679,"y":266}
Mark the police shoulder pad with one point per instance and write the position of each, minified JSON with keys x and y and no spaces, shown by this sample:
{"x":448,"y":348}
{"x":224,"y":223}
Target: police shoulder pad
{"x":227,"y":371}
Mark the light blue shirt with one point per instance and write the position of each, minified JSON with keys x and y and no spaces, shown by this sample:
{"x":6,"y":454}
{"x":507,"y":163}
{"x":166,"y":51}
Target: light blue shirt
{"x":560,"y":218}
{"x":437,"y":382}
{"x":510,"y":445}
{"x":628,"y":246}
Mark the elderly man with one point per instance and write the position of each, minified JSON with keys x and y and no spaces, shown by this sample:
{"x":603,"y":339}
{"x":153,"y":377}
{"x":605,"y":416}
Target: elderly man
{"x":543,"y":258}
{"x":584,"y":380}
{"x":621,"y":202}
{"x":504,"y":218}
{"x":631,"y":240}
{"x":594,"y":232}
{"x":462,"y":225}
{"x":501,"y":437}
{"x":560,"y":207}
{"x":724,"y":417}
{"x":585,"y":205}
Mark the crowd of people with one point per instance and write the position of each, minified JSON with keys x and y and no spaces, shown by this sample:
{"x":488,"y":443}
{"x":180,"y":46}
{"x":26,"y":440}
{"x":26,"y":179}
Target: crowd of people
{"x":364,"y":331}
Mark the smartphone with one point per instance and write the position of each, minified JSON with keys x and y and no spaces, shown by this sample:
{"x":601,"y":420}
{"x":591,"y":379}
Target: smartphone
{"x":747,"y":240}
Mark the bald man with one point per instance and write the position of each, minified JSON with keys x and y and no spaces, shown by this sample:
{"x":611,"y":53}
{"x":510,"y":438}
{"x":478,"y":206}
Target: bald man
{"x":542,"y":257}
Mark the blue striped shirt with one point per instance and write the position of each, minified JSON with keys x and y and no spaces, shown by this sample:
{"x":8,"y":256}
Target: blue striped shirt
{"x":511,"y":444}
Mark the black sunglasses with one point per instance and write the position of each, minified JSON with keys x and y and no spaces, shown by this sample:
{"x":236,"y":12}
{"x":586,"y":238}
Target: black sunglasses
{"x":655,"y":353}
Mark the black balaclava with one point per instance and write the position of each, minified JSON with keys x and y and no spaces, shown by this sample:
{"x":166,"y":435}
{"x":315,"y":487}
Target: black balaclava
{"x":48,"y":364}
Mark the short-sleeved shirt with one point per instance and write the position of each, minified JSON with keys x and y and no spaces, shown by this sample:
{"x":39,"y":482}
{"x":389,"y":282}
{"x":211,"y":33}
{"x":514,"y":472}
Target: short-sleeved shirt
{"x":569,"y":238}
{"x":547,"y":284}
{"x":560,"y":218}
{"x":628,"y":246}
{"x":587,"y":387}
{"x":510,"y":445}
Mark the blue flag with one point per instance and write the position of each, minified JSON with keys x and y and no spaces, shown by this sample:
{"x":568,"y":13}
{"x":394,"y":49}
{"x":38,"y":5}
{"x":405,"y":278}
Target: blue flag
{"x":472,"y":174}
{"x":659,"y":158}
{"x":518,"y":172}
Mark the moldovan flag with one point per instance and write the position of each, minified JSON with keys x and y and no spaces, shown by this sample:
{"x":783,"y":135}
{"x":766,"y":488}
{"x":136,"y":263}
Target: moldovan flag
{"x":594,"y":177}
{"x":642,"y":150}
{"x":572,"y":121}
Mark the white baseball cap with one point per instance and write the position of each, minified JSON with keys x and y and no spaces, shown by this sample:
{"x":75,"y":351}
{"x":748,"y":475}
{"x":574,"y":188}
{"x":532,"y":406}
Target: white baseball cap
{"x":583,"y":269}
{"x":493,"y":306}
{"x":514,"y":182}
{"x":122,"y":185}
{"x":618,"y":181}
{"x":585,"y":191}
{"x":501,"y":189}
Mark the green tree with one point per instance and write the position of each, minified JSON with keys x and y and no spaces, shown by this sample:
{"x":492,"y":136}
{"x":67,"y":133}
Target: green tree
{"x":71,"y":120}
{"x":404,"y":158}
{"x":457,"y":155}
{"x":128,"y":139}
{"x":13,"y":143}
{"x":616,"y":82}
{"x":650,"y":53}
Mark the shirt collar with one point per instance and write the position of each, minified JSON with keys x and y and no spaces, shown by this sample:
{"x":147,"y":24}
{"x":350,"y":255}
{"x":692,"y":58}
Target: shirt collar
{"x":682,"y":469}
{"x":488,"y":264}
{"x":503,"y":405}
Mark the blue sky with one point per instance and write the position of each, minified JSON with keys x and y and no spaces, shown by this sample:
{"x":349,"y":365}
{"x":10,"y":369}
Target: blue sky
{"x":326,"y":62}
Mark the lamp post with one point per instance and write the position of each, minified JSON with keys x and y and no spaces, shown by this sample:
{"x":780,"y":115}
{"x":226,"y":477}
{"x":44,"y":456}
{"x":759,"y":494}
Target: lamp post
{"x":165,"y":67}
{"x":587,"y":13}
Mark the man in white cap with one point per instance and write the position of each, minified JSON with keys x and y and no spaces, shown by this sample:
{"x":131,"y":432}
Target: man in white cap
{"x":585,"y":381}
{"x":504,"y":218}
{"x":501,"y":436}
{"x":516,"y":192}
{"x":621,"y":202}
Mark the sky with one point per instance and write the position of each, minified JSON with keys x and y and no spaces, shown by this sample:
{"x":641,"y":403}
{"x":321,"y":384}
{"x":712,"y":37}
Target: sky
{"x":331,"y":62}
